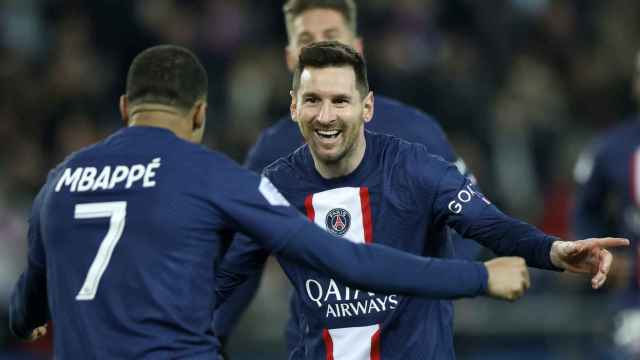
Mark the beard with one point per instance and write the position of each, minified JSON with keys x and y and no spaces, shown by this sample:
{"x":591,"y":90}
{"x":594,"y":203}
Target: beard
{"x":340,"y":151}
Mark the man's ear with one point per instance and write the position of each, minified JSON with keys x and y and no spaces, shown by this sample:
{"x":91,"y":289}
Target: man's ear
{"x":199,"y":115}
{"x":124,"y":109}
{"x":367,"y":114}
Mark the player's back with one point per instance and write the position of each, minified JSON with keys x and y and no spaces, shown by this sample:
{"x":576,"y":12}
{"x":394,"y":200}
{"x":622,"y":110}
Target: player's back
{"x":131,"y":243}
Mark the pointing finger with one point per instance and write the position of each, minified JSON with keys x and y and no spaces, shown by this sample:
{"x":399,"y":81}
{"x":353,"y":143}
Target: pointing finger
{"x":608,"y":242}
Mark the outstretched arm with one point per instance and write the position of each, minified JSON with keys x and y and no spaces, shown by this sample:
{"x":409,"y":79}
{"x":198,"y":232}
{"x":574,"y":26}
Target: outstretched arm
{"x":464,"y":208}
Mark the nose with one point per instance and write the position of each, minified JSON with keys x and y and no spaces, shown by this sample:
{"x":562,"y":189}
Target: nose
{"x":327,"y":113}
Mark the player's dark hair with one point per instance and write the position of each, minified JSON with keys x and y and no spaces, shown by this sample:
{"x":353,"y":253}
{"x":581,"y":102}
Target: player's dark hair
{"x":325,"y":54}
{"x":293,"y":8}
{"x":168,"y":75}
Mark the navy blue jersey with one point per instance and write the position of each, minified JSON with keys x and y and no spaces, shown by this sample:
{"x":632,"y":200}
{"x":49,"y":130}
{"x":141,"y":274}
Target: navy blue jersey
{"x":126,"y":235}
{"x":401,"y":196}
{"x":281,"y":139}
{"x":608,"y":196}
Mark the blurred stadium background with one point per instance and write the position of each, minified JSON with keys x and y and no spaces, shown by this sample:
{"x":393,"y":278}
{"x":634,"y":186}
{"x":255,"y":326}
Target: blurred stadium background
{"x":520,"y":86}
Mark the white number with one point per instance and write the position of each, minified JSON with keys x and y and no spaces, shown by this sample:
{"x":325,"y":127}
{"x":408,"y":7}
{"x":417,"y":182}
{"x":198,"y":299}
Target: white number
{"x":116,"y":211}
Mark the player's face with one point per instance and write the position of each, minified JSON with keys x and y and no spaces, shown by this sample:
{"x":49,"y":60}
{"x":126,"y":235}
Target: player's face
{"x":316,"y":25}
{"x":331,"y":113}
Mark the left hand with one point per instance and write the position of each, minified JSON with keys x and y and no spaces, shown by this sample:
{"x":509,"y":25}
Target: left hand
{"x":586,"y":256}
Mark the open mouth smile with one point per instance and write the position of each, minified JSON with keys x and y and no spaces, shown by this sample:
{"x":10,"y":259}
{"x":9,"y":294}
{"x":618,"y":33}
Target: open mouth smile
{"x":328,"y":134}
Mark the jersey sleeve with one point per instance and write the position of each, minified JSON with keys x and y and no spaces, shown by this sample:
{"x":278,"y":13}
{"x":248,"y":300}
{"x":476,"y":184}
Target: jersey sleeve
{"x":459,"y":204}
{"x":29,"y":303}
{"x":235,"y":291}
{"x":260,"y":211}
{"x":440,"y":144}
{"x":589,"y":217}
{"x":436,"y":141}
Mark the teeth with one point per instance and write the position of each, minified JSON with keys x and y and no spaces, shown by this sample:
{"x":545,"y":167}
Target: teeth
{"x":328,"y":133}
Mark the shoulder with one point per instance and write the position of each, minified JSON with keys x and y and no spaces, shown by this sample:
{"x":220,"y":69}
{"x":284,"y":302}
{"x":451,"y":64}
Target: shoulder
{"x":411,"y":170}
{"x":396,"y":146}
{"x":275,"y":141}
{"x":275,"y":134}
{"x":411,"y":124}
{"x":400,"y":153}
{"x":397,"y":107}
{"x":408,"y":114}
{"x":283,"y":124}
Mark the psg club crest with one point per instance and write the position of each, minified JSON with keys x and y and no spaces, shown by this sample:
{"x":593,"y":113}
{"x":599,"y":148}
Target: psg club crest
{"x":338,"y":221}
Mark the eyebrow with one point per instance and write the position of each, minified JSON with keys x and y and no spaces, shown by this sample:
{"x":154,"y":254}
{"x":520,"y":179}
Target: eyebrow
{"x":342,"y":97}
{"x":332,"y":31}
{"x":336,"y":96}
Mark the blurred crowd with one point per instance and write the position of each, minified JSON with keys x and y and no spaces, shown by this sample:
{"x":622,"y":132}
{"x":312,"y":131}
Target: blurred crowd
{"x":520,"y":87}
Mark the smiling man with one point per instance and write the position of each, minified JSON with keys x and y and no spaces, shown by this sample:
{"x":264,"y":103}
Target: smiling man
{"x":377,"y":189}
{"x":307,"y":22}
{"x":336,"y":147}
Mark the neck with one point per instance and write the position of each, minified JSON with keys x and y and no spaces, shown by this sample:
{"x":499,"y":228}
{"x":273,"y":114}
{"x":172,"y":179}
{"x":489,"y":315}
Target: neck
{"x":344,"y":166}
{"x":165,"y":118}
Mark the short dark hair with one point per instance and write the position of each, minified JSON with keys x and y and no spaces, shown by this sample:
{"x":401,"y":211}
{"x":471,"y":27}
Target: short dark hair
{"x":169,"y":75}
{"x":325,"y":54}
{"x":293,"y":8}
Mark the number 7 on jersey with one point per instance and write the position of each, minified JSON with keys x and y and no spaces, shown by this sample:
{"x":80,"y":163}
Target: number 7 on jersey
{"x":116,"y":211}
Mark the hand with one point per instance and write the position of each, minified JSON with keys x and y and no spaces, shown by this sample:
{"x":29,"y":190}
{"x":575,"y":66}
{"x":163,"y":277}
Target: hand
{"x":508,"y":278}
{"x":38,"y":333}
{"x":586,"y":256}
